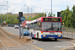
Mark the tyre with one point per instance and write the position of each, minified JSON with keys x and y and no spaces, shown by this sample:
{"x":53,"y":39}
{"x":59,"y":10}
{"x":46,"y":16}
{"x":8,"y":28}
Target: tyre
{"x":55,"y":39}
{"x":31,"y":35}
{"x":38,"y":37}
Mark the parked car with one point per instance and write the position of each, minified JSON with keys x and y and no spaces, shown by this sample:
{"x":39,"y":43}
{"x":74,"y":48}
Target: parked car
{"x":9,"y":25}
{"x":25,"y":32}
{"x":12,"y":25}
{"x":16,"y":26}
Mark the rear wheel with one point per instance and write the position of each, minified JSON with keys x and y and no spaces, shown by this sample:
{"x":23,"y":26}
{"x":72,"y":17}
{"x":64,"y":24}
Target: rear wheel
{"x":38,"y":36}
{"x":31,"y":35}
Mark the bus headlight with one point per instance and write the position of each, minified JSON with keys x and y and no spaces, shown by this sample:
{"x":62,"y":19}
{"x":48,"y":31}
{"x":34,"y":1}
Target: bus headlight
{"x":44,"y":35}
{"x":59,"y":35}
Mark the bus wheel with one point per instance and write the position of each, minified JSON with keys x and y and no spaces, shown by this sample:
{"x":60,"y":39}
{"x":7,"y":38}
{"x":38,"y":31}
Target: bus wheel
{"x":38,"y":36}
{"x":31,"y":35}
{"x":55,"y":39}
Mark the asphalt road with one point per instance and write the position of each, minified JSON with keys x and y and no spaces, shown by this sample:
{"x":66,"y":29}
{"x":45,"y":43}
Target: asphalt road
{"x":43,"y":44}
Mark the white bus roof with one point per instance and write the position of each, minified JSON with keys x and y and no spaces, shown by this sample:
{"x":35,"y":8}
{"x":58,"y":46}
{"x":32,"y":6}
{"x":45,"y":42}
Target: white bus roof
{"x":28,"y":22}
{"x":34,"y":21}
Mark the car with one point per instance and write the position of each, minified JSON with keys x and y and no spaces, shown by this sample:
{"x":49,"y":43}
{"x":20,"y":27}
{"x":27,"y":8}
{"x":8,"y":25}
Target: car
{"x":25,"y":32}
{"x":9,"y":25}
{"x":16,"y":26}
{"x":12,"y":25}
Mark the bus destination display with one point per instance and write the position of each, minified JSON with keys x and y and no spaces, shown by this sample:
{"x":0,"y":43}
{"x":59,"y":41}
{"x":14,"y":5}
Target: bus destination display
{"x":51,"y":19}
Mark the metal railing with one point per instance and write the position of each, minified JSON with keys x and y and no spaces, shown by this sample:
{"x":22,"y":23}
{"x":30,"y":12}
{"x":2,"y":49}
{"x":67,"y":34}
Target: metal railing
{"x":68,"y":32}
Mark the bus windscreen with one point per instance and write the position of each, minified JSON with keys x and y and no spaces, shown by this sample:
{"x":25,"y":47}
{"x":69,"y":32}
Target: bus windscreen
{"x":51,"y":19}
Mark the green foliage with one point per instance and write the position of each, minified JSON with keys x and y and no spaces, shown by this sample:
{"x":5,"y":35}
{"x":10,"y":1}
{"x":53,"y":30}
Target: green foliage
{"x":38,"y":16}
{"x":12,"y":19}
{"x":8,"y":21}
{"x":73,"y":16}
{"x":15,"y":21}
{"x":49,"y":14}
{"x":68,"y":17}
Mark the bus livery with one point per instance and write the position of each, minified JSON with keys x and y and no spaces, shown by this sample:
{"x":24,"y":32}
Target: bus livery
{"x":46,"y":27}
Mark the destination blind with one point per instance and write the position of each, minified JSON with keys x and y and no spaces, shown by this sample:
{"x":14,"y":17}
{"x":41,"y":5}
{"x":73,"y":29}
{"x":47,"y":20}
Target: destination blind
{"x":51,"y":19}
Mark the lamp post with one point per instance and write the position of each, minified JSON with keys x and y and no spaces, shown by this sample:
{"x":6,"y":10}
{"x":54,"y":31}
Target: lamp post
{"x":51,"y":8}
{"x":1,"y":15}
{"x":7,"y":10}
{"x":27,"y":10}
{"x":31,"y":13}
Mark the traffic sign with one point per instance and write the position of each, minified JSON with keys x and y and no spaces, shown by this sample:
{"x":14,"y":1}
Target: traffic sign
{"x":22,"y":18}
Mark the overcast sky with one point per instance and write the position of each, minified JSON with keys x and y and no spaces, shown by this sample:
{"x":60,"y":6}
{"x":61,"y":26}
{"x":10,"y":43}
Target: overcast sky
{"x":37,"y":6}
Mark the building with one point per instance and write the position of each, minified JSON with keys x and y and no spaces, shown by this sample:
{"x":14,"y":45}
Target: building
{"x":26,"y":14}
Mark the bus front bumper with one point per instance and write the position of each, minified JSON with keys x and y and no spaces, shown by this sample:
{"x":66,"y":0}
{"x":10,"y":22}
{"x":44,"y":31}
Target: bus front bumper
{"x":51,"y":36}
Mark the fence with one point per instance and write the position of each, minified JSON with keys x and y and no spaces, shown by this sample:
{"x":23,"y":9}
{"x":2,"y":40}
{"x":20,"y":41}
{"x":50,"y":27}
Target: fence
{"x":68,"y":32}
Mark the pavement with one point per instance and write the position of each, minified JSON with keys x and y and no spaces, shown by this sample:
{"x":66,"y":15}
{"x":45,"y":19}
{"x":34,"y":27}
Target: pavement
{"x":11,"y":42}
{"x":44,"y":44}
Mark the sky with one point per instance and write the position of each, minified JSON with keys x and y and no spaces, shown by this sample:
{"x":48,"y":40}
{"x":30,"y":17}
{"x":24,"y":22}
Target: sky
{"x":37,"y":6}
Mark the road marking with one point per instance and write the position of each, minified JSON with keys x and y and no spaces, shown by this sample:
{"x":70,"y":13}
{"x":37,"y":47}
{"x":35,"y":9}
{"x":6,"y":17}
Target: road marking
{"x":4,"y":45}
{"x":73,"y":43}
{"x":69,"y":46}
{"x":35,"y":47}
{"x":15,"y":41}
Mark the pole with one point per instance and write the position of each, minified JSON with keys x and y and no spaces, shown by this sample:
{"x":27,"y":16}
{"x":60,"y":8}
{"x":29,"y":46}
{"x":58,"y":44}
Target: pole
{"x":19,"y":30}
{"x":1,"y":19}
{"x":7,"y":10}
{"x":28,"y":11}
{"x":31,"y":13}
{"x":51,"y":8}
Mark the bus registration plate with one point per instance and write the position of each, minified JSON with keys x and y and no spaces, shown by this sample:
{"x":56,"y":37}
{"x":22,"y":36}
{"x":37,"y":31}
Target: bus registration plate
{"x":51,"y":33}
{"x":50,"y":37}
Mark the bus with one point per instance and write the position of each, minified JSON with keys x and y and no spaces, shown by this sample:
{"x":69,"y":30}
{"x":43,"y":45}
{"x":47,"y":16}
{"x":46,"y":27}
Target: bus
{"x":46,"y":28}
{"x":24,"y":23}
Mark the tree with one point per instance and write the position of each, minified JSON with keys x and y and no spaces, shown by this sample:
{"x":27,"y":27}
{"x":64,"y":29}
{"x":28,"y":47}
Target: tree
{"x":53,"y":15}
{"x":73,"y":16}
{"x":66,"y":17}
{"x":49,"y":14}
{"x":16,"y":21}
{"x":8,"y":21}
{"x":39,"y":15}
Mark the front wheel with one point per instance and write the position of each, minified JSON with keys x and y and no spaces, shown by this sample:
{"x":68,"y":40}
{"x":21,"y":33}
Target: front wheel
{"x":31,"y":35}
{"x":55,"y":39}
{"x":38,"y":36}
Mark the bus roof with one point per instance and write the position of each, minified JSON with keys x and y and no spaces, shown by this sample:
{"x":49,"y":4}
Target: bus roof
{"x":41,"y":18}
{"x":46,"y":17}
{"x":34,"y":21}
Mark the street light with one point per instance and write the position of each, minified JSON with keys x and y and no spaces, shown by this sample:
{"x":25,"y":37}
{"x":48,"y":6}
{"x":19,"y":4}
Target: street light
{"x":31,"y":13}
{"x":27,"y":10}
{"x":1,"y":15}
{"x":51,"y":8}
{"x":7,"y":10}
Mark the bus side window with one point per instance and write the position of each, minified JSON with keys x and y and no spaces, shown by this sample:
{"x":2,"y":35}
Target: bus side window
{"x":39,"y":25}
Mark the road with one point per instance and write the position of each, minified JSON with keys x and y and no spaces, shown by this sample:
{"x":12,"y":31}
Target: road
{"x":43,"y":44}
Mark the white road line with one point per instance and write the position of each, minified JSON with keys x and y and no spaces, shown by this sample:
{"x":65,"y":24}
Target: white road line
{"x":70,"y":46}
{"x":16,"y":42}
{"x":73,"y":43}
{"x":4,"y":45}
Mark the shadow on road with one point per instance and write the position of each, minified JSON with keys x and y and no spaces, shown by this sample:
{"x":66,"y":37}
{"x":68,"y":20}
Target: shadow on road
{"x":48,"y":40}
